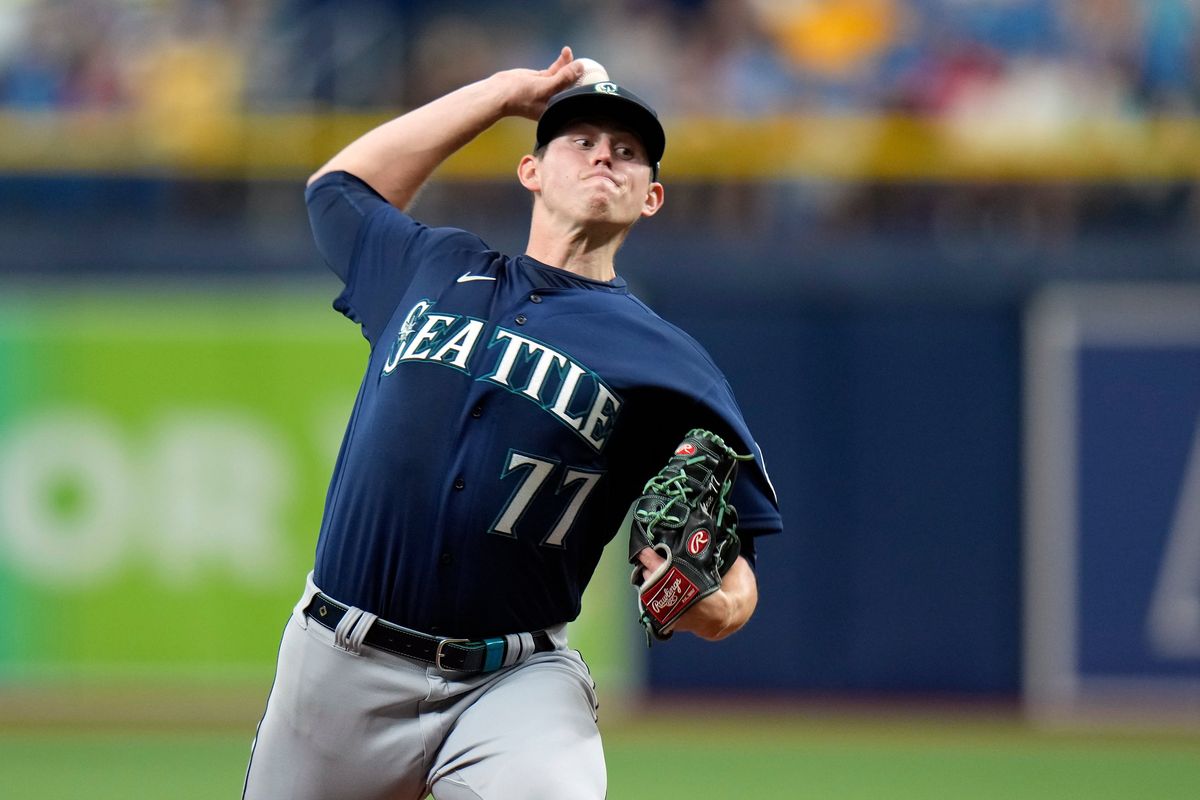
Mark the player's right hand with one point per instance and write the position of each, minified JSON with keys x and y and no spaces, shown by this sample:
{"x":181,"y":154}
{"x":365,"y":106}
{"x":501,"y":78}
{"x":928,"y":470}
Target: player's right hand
{"x":526,"y":91}
{"x":720,"y":613}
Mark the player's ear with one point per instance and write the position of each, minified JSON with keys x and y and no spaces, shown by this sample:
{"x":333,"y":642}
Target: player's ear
{"x":654,"y":199}
{"x":529,"y":172}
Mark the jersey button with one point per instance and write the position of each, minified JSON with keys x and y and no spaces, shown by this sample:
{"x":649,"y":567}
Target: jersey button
{"x":535,"y":298}
{"x":477,"y":412}
{"x":459,"y":483}
{"x":446,"y":559}
{"x":521,"y":319}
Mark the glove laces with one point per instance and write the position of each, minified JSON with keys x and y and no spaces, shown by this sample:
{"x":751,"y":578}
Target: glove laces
{"x":671,"y":482}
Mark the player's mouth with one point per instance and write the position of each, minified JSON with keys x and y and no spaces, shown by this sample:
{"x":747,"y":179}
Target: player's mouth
{"x":608,"y":176}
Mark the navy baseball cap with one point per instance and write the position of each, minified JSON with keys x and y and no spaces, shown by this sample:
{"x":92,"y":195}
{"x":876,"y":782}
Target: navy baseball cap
{"x":604,"y":99}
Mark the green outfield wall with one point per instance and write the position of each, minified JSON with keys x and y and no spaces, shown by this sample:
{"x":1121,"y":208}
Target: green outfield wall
{"x":164,"y":457}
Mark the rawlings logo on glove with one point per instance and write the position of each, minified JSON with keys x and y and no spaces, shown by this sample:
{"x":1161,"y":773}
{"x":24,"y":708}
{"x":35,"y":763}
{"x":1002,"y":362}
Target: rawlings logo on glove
{"x":683,"y":514}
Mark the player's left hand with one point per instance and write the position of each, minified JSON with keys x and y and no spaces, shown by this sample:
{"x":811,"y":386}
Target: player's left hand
{"x":724,"y":611}
{"x":684,"y":517}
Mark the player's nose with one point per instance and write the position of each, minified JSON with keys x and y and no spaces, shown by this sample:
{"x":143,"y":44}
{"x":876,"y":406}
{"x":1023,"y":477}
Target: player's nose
{"x":602,"y":153}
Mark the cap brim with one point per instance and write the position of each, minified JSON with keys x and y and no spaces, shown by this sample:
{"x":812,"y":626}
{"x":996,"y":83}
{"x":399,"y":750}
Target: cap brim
{"x":615,"y":103}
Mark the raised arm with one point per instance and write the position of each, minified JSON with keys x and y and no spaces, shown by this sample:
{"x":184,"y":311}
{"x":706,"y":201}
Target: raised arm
{"x":399,"y":156}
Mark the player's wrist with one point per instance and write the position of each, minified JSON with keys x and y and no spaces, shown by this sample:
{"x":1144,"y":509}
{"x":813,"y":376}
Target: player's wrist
{"x":712,"y":618}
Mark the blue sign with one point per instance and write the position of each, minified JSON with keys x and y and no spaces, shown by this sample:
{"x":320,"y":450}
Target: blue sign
{"x":1112,"y":566}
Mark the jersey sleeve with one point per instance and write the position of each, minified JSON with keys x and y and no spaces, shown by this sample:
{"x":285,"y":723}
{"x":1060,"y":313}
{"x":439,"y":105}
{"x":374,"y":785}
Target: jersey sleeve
{"x":338,"y":205}
{"x":375,"y":248}
{"x":687,"y":372}
{"x":753,"y":495}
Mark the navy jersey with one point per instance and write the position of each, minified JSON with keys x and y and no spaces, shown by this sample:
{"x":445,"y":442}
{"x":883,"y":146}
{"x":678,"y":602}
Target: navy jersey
{"x":509,"y":414}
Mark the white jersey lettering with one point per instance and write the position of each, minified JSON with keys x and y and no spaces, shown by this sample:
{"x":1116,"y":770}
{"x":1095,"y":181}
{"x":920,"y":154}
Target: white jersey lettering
{"x":434,"y":325}
{"x":559,"y":385}
{"x":461,"y":344}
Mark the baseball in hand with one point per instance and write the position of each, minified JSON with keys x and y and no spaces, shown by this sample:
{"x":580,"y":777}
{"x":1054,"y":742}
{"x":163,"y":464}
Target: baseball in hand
{"x":593,"y":72}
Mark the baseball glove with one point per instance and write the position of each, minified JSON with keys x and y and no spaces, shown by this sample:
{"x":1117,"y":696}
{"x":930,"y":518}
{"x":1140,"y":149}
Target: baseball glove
{"x":684,"y":515}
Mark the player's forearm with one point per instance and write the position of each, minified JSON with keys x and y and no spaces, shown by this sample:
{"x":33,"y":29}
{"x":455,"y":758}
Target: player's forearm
{"x":397,"y":157}
{"x":729,"y":609}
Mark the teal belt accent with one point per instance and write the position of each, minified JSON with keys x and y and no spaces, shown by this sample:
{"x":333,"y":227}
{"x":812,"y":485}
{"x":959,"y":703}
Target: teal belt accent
{"x":495,"y":654}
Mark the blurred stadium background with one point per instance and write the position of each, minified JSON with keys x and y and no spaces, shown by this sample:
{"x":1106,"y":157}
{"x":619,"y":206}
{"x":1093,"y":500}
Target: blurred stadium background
{"x":947,"y":251}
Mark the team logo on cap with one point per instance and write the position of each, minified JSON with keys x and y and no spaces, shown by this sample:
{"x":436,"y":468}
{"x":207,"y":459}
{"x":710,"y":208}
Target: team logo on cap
{"x":606,"y":87}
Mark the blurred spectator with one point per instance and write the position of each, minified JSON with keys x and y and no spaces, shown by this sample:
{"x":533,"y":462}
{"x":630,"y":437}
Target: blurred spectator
{"x":59,"y":55}
{"x":1169,"y":61}
{"x":741,"y":57}
{"x":328,"y":53}
{"x":836,"y":48}
{"x":730,"y":65}
{"x":457,"y":46}
{"x":187,"y":80}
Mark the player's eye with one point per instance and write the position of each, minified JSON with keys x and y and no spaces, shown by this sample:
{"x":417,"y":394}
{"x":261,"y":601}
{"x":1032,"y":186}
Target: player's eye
{"x":624,"y":151}
{"x":583,"y":141}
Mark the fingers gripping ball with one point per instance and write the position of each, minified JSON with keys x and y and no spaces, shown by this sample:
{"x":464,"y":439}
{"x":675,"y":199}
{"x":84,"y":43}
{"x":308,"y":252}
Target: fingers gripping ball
{"x":593,"y":72}
{"x":684,"y":514}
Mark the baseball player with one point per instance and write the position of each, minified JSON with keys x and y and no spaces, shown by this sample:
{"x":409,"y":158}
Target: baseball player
{"x":512,"y":408}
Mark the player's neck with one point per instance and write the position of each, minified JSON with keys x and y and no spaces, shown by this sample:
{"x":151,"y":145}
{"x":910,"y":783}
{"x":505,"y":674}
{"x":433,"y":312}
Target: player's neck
{"x":589,"y":256}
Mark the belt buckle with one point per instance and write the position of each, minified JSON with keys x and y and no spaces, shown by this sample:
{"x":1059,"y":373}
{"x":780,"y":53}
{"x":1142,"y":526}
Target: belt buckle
{"x":437,"y":654}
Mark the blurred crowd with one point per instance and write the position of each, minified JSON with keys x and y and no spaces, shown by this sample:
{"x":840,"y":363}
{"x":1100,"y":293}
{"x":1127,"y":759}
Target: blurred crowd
{"x":723,"y":57}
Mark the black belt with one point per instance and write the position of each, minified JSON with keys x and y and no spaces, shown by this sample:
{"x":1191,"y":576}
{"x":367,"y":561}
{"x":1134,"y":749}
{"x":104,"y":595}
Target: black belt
{"x":460,"y":655}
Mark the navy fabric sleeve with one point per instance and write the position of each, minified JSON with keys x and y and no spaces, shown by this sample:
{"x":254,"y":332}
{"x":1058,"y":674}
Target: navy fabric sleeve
{"x":747,"y":549}
{"x":338,"y":203}
{"x":375,"y":248}
{"x":684,"y":364}
{"x":343,"y":211}
{"x":753,"y":495}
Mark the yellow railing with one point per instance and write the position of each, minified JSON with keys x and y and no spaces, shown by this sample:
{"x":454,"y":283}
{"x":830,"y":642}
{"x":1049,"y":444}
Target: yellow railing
{"x":889,"y":148}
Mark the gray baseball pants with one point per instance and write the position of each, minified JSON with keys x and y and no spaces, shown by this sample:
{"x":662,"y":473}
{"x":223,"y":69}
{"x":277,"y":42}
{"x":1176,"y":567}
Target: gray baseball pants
{"x":357,"y":723}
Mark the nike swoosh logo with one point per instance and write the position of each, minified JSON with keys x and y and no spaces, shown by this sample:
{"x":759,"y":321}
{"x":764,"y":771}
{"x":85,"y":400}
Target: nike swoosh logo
{"x":467,"y":276}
